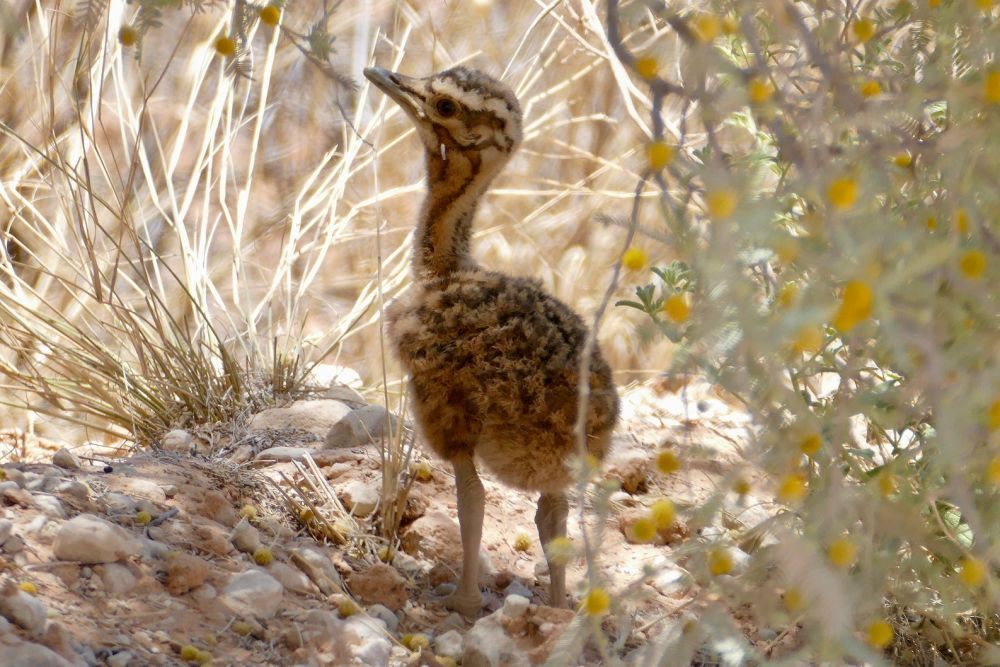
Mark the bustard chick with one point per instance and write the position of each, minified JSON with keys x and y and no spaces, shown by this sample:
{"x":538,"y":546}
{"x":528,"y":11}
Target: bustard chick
{"x":493,"y":359}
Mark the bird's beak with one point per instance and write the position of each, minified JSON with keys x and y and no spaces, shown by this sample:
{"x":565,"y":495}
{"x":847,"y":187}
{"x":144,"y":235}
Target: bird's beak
{"x":401,"y":89}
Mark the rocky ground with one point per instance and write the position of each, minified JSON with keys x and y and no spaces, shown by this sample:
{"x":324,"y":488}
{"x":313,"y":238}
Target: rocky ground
{"x":254,"y":545}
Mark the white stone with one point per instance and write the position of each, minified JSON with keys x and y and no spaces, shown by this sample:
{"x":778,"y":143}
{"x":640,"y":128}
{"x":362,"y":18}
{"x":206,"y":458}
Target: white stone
{"x":282,"y":454}
{"x":245,"y":537}
{"x":515,"y":606}
{"x":487,"y":645}
{"x":74,"y":489}
{"x":291,"y":579}
{"x":118,"y":579}
{"x":178,"y":440}
{"x":22,"y":654}
{"x":449,"y":645}
{"x":345,"y":394}
{"x":360,"y":427}
{"x":319,"y":560}
{"x":119,"y":503}
{"x":140,"y":488}
{"x":90,"y":539}
{"x":66,"y":459}
{"x":13,"y":544}
{"x":253,"y":593}
{"x":6,"y":527}
{"x":516,"y":588}
{"x":204,"y":593}
{"x":23,"y":610}
{"x":120,"y":659}
{"x":386,"y":615}
{"x":316,"y":416}
{"x":359,"y":498}
{"x":356,"y":640}
{"x":50,"y":505}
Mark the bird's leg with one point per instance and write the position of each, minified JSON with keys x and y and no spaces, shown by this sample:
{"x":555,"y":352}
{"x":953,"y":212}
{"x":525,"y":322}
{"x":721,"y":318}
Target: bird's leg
{"x":471,"y":505}
{"x":551,"y":522}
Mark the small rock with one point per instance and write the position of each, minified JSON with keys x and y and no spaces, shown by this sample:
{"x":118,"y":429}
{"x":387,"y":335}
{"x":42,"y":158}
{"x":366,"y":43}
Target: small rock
{"x":204,"y":593}
{"x":515,"y":606}
{"x":486,"y":644}
{"x":318,"y":560}
{"x":245,"y":537}
{"x":140,"y":488}
{"x":360,"y":427}
{"x":89,"y":539}
{"x":316,"y":416}
{"x":50,"y":505}
{"x":356,"y":640}
{"x":344,"y":394}
{"x":120,"y":659}
{"x":435,"y":537}
{"x":215,"y":506}
{"x":22,"y":609}
{"x":117,"y":578}
{"x":153,"y":550}
{"x":379,"y":584}
{"x":57,"y":639}
{"x":169,"y":490}
{"x":21,"y":653}
{"x":632,"y":472}
{"x":66,"y":459}
{"x":74,"y":489}
{"x":184,"y":572}
{"x":13,"y":544}
{"x":280,"y":454}
{"x":178,"y":440}
{"x":453,"y":621}
{"x":253,"y":593}
{"x":12,"y":494}
{"x":12,"y":474}
{"x":386,"y":615}
{"x":6,"y":527}
{"x":291,"y":579}
{"x":359,"y":498}
{"x":408,"y":565}
{"x":444,"y":589}
{"x":449,"y":645}
{"x":119,"y":503}
{"x":516,"y":588}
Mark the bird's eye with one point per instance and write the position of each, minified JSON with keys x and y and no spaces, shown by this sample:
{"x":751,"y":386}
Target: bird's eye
{"x":446,"y":108}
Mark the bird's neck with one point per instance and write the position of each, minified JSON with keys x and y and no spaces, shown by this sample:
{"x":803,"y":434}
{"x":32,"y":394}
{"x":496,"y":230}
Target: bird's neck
{"x":455,"y":183}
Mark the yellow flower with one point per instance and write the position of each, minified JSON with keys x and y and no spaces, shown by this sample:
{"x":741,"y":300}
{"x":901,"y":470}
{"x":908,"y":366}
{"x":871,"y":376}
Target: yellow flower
{"x":793,"y":600}
{"x":348,"y":608}
{"x":143,"y":518}
{"x":887,"y":484}
{"x":903,"y":160}
{"x":559,"y":550}
{"x":961,"y":220}
{"x":842,"y":552}
{"x":263,"y":556}
{"x":787,"y":295}
{"x":706,"y":27}
{"x":720,"y":561}
{"x":597,"y":602}
{"x":730,"y":25}
{"x":984,"y":5}
{"x":128,"y":36}
{"x":855,"y":306}
{"x":809,"y":340}
{"x":667,"y":462}
{"x":522,"y":542}
{"x":243,"y":628}
{"x":659,"y":155}
{"x":741,"y":486}
{"x":642,"y":530}
{"x":269,"y":15}
{"x":248,"y":512}
{"x":993,"y":416}
{"x":676,"y":308}
{"x":225,"y":47}
{"x":634,"y":258}
{"x":792,"y":488}
{"x":647,"y":67}
{"x":991,"y":87}
{"x":759,"y":90}
{"x":811,"y":444}
{"x":842,"y":193}
{"x":933,"y":3}
{"x":993,"y":471}
{"x":879,"y":633}
{"x":422,"y":471}
{"x":864,"y":30}
{"x":721,"y":203}
{"x":972,"y":264}
{"x":662,"y":513}
{"x":972,"y":571}
{"x":870,"y":88}
{"x":189,"y":653}
{"x":28,"y":587}
{"x":415,"y":641}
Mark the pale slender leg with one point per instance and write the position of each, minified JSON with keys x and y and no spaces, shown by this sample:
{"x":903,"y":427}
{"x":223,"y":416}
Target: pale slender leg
{"x":551,"y":522}
{"x":467,"y":599}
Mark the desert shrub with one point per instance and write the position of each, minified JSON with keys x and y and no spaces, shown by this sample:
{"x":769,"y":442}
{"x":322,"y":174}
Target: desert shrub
{"x":826,"y":176}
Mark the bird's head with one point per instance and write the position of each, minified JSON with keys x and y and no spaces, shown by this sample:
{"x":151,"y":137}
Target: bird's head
{"x":458,"y":109}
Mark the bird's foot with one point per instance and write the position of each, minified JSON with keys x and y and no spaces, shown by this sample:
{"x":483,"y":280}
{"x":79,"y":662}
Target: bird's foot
{"x":467,"y":604}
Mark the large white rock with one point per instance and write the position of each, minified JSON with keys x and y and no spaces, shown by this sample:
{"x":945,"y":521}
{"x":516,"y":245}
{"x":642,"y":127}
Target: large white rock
{"x":90,"y":539}
{"x":359,"y":498}
{"x":487,"y":645}
{"x":17,"y":653}
{"x":66,"y":459}
{"x":360,"y":427}
{"x":316,"y":416}
{"x":253,"y":593}
{"x":22,"y":609}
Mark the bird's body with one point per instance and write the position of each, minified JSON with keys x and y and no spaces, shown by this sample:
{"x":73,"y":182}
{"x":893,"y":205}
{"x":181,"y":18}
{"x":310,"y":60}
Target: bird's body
{"x":493,"y":359}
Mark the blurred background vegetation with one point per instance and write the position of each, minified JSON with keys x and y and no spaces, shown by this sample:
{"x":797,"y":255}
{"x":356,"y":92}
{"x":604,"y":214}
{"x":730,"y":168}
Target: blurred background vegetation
{"x":199,"y":205}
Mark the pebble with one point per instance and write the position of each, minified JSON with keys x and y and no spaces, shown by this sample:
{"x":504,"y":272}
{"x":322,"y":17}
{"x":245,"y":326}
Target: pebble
{"x":117,"y":578}
{"x":6,"y":527}
{"x":204,"y":593}
{"x":185,"y":572}
{"x":386,"y":615}
{"x":360,"y":427}
{"x":253,"y":593}
{"x":177,"y":440}
{"x":13,"y":544}
{"x":319,"y":560}
{"x":380,"y":584}
{"x":356,"y":640}
{"x":66,"y":459}
{"x":515,"y":606}
{"x":516,"y":588}
{"x":74,"y":489}
{"x":22,"y":609}
{"x":291,"y":579}
{"x":449,"y":645}
{"x":444,"y":589}
{"x":119,"y":503}
{"x":50,"y":505}
{"x":280,"y":454}
{"x":13,"y":475}
{"x":359,"y":498}
{"x":120,"y":659}
{"x":245,"y":537}
{"x":89,"y":539}
{"x":21,"y":654}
